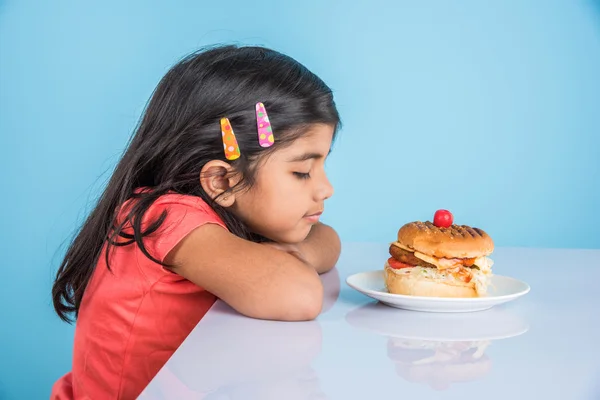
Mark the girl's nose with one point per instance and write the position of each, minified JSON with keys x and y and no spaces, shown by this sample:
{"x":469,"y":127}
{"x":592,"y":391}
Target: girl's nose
{"x":326,"y":190}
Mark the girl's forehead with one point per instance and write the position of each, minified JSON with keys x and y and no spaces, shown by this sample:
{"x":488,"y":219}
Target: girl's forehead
{"x":316,"y":140}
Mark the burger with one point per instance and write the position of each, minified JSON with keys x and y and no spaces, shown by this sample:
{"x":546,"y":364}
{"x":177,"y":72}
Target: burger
{"x":439,"y":259}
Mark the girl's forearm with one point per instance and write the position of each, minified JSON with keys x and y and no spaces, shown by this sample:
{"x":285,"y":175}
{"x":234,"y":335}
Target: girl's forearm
{"x":321,"y":248}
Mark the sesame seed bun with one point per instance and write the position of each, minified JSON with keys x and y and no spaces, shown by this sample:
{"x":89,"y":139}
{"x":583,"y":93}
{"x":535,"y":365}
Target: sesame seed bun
{"x":456,"y":241}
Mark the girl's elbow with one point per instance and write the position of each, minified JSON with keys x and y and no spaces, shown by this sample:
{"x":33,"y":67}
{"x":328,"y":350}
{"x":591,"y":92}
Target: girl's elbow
{"x":299,"y":304}
{"x":309,"y":309}
{"x":309,"y":302}
{"x":306,"y":311}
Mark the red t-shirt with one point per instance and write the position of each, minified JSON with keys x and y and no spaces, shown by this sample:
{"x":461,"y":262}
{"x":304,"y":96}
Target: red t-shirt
{"x":133,"y":317}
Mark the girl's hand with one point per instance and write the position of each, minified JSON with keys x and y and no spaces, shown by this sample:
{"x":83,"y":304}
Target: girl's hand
{"x":320,"y":250}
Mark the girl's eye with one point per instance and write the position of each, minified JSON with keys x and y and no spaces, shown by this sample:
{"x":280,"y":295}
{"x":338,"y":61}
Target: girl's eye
{"x":302,"y":175}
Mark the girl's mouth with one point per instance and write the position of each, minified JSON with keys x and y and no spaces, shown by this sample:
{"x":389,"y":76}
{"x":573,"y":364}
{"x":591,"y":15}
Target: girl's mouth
{"x":314,"y":217}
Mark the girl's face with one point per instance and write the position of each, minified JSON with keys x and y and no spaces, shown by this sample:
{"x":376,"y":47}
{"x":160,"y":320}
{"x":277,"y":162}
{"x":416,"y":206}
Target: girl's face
{"x":290,"y":190}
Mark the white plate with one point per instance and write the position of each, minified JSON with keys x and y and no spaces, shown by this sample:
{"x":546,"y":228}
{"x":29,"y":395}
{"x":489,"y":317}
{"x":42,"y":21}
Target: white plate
{"x":502,"y":289}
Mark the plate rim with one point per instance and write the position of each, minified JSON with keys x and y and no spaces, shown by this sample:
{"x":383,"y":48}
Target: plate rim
{"x":436,"y":299}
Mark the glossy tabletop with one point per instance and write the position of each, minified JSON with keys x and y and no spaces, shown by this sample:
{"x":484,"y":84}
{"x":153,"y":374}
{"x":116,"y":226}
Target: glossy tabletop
{"x":545,"y":345}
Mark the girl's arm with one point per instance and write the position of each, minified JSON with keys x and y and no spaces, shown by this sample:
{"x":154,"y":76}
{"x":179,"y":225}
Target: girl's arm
{"x":256,"y":280}
{"x":321,"y":248}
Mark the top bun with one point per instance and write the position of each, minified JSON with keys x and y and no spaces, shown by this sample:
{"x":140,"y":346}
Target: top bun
{"x":456,"y":241}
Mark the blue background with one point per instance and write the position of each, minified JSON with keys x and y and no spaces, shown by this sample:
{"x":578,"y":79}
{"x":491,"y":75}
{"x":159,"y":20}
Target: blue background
{"x":489,"y":109}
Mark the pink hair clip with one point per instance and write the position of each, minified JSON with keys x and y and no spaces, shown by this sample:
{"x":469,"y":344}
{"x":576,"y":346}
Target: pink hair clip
{"x":265,"y":132}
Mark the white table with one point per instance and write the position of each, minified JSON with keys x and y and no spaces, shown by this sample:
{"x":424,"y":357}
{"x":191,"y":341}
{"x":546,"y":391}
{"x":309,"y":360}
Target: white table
{"x":545,"y":345}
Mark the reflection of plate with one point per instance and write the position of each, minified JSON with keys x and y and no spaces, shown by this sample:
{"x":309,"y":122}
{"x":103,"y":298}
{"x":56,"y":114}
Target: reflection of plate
{"x":438,"y":350}
{"x":502,"y":290}
{"x":487,"y":325}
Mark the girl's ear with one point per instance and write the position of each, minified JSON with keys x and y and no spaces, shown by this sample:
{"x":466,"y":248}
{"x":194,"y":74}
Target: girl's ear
{"x":216,"y":178}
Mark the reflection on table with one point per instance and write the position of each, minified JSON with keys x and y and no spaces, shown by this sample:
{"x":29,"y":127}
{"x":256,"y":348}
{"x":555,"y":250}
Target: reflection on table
{"x":438,"y":349}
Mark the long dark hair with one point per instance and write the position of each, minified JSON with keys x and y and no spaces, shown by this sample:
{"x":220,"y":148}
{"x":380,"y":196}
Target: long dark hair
{"x":179,"y":133}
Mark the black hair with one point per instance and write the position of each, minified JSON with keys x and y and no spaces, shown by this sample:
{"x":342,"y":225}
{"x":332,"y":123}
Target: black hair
{"x":179,"y":133}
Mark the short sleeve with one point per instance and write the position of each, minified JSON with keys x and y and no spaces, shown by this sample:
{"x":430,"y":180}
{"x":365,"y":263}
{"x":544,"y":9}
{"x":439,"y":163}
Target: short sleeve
{"x":184,"y":213}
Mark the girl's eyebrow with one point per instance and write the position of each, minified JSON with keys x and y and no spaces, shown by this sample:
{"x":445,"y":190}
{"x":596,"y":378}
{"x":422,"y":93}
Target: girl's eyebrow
{"x":307,"y":156}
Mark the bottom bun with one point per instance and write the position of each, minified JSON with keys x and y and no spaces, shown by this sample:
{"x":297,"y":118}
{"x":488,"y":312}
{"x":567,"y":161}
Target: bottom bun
{"x":419,"y":286}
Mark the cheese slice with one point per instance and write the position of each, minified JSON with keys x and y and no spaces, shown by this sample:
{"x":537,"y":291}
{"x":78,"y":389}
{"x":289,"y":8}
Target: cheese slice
{"x":397,"y":244}
{"x":441,"y":263}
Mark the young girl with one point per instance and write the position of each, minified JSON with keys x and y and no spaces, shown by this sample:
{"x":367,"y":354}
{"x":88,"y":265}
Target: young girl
{"x":218,"y":195}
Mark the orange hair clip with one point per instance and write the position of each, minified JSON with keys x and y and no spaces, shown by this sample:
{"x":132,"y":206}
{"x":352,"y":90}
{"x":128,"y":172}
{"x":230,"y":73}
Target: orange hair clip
{"x":230,"y":144}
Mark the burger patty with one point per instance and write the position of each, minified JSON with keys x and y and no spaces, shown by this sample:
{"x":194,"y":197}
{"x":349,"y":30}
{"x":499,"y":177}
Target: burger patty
{"x":407,"y":257}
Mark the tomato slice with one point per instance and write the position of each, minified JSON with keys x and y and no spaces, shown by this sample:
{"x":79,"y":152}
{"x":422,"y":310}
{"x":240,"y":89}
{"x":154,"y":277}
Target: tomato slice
{"x":395,"y":264}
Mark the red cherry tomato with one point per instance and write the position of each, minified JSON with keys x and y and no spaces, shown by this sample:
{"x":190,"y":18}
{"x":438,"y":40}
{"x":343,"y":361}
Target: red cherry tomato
{"x":443,"y":219}
{"x":395,"y":264}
